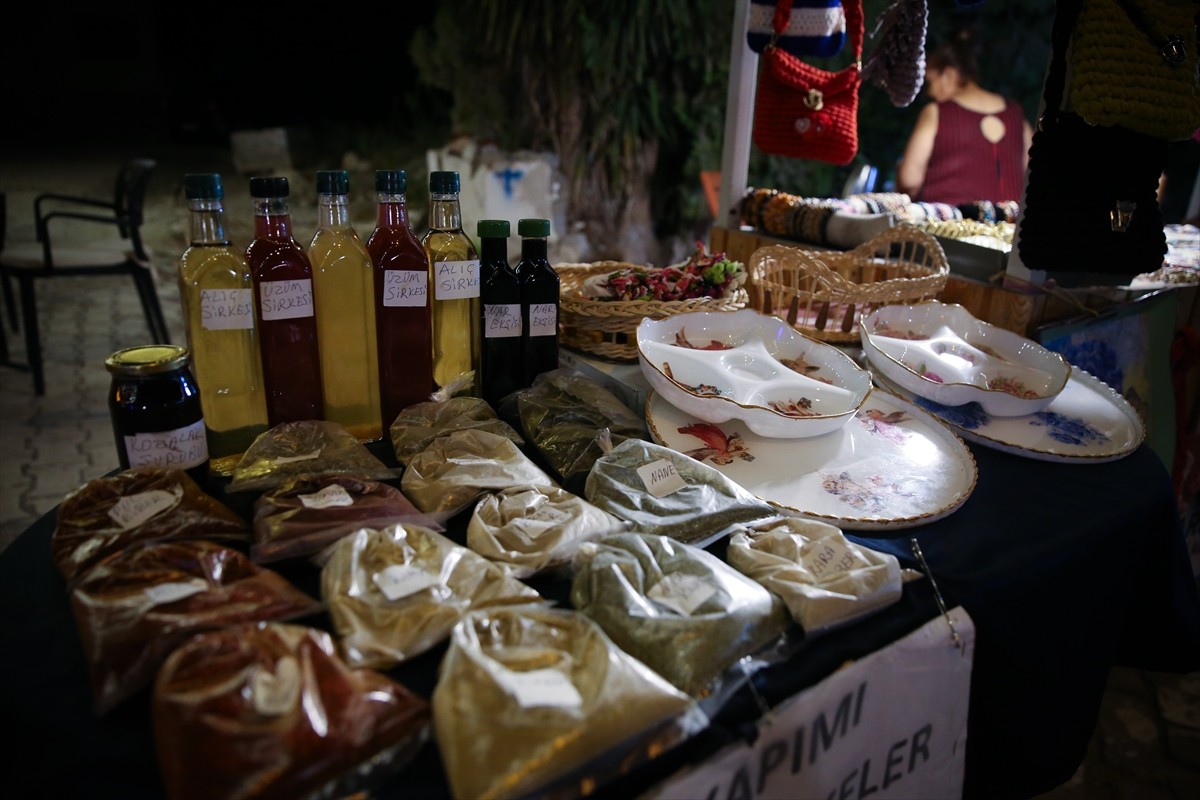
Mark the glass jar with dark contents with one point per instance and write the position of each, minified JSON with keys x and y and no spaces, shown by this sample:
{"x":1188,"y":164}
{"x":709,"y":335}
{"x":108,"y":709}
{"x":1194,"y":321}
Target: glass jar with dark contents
{"x":155,"y":409}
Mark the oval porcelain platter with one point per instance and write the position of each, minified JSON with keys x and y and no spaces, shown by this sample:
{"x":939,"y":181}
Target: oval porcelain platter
{"x":1088,"y":422}
{"x":893,"y":466}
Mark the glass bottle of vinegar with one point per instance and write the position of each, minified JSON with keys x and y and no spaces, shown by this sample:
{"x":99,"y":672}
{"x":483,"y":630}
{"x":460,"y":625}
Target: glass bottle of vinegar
{"x":500,"y":367}
{"x":539,"y":299}
{"x":454,"y":281}
{"x":344,"y":296}
{"x":218,"y":304}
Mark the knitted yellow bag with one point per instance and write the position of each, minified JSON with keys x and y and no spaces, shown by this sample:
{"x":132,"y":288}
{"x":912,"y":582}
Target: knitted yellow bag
{"x":1134,"y":64}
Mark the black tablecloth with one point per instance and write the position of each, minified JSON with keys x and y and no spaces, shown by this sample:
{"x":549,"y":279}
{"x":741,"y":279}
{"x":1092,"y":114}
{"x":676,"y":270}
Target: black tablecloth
{"x":1065,"y":569}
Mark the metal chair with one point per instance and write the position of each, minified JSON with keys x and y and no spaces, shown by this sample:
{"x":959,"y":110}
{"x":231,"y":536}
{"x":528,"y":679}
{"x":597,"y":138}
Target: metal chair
{"x":122,"y":255}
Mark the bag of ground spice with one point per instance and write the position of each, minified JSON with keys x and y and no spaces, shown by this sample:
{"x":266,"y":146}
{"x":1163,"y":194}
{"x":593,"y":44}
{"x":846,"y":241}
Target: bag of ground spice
{"x":136,"y":606}
{"x":269,"y":710}
{"x":678,"y":608}
{"x":825,"y":579}
{"x":526,"y":695}
{"x":306,"y":515}
{"x":527,"y":530}
{"x":141,"y":504}
{"x":395,"y":593}
{"x":665,"y":492}
{"x":305,"y":449}
{"x":421,"y":423}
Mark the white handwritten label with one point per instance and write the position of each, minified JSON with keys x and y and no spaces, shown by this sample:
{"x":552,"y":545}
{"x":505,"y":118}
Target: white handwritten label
{"x":401,"y":580}
{"x":829,"y":557}
{"x":660,"y":478}
{"x":456,"y":280}
{"x":132,"y":510}
{"x":293,"y":459}
{"x":165,"y":593}
{"x":501,"y":320}
{"x":275,"y":693}
{"x":543,"y":319}
{"x":681,"y":592}
{"x":332,"y":495}
{"x":183,"y":447}
{"x":540,"y":687}
{"x":226,"y":309}
{"x":286,"y":299}
{"x":405,"y":288}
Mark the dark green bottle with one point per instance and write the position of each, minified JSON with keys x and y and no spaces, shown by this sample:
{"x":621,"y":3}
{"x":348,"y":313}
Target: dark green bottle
{"x":539,"y":299}
{"x":501,"y":324}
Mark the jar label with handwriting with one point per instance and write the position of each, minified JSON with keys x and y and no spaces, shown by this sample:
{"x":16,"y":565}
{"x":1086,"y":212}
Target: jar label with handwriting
{"x":226,"y":309}
{"x":333,"y":495}
{"x":456,"y":280}
{"x":182,"y":448}
{"x":401,"y":580}
{"x":501,"y":320}
{"x":405,"y":288}
{"x":291,"y":299}
{"x":828,"y":557}
{"x":275,"y":693}
{"x":132,"y":510}
{"x":681,"y":592}
{"x":165,"y":593}
{"x":543,"y":319}
{"x":660,"y":477}
{"x":540,"y":687}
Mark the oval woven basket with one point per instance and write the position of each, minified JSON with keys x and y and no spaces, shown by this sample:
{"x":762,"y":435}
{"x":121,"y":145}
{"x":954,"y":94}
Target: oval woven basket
{"x":824,"y":293}
{"x":608,"y":328}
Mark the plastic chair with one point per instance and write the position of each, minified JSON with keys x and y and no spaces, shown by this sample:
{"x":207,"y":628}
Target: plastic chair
{"x":122,"y":255}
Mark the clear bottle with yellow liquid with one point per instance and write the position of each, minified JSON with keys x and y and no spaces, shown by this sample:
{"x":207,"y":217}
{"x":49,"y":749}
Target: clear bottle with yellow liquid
{"x":218,"y":304}
{"x":454,"y":284}
{"x":344,"y":295}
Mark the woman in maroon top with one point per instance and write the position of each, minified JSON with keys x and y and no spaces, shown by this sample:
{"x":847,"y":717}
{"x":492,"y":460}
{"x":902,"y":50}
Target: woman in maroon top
{"x":969,"y":144}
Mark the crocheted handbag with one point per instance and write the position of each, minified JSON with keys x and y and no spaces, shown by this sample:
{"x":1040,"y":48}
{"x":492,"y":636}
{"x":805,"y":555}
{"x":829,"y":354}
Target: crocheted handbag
{"x":799,"y":27}
{"x":1134,"y":63}
{"x":897,"y":64}
{"x":801,"y":111}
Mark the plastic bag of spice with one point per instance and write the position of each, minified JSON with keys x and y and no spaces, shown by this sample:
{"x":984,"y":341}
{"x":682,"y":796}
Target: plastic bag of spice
{"x":665,"y":492}
{"x":825,"y":579}
{"x":528,"y":696}
{"x":421,"y":423}
{"x":136,"y":606}
{"x":681,"y":610}
{"x":306,"y":515}
{"x":304,"y":449}
{"x":395,"y":593}
{"x":136,"y":505}
{"x":270,"y":711}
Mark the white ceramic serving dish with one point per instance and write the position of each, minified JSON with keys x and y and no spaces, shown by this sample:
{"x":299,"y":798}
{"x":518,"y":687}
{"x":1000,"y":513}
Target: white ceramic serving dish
{"x":941,"y":352}
{"x":748,"y":366}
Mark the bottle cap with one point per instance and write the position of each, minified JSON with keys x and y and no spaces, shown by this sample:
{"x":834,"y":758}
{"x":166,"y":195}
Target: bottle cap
{"x":533,"y":227}
{"x":492,"y":229}
{"x":206,"y":186}
{"x":152,"y":359}
{"x":269,"y":187}
{"x":391,"y":181}
{"x":443,"y":183}
{"x":333,"y":181}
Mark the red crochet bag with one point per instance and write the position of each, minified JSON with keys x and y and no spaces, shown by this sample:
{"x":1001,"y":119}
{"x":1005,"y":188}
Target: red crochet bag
{"x":801,"y":111}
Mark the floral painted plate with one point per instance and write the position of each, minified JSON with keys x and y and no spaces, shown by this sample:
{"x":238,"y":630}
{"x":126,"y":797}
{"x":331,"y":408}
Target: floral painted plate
{"x":1088,"y":422}
{"x":893,"y":466}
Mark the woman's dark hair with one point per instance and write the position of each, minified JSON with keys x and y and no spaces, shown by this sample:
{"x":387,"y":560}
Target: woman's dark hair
{"x":957,"y":52}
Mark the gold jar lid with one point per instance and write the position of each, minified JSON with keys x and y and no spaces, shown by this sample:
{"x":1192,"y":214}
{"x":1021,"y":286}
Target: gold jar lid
{"x":149,"y":359}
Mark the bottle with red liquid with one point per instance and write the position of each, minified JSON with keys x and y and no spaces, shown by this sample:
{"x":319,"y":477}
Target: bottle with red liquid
{"x":403,"y":326}
{"x":284,"y":308}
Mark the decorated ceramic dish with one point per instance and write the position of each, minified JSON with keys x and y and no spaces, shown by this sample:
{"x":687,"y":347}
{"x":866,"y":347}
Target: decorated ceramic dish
{"x":941,"y":352}
{"x":893,"y":466}
{"x":747,"y":366}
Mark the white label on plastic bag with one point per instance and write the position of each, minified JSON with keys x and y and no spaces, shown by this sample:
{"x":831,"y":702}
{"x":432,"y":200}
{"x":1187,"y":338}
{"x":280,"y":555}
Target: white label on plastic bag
{"x":226,"y":309}
{"x":170,"y":592}
{"x":405,"y":288}
{"x":294,"y":459}
{"x":543,"y":319}
{"x":332,"y":495}
{"x":681,"y":592}
{"x":456,"y":280}
{"x":660,"y":478}
{"x":540,"y":687}
{"x":828,"y":557}
{"x":401,"y":580}
{"x":183,"y":448}
{"x":501,"y":320}
{"x":292,"y":299}
{"x":134,"y":509}
{"x":275,"y":693}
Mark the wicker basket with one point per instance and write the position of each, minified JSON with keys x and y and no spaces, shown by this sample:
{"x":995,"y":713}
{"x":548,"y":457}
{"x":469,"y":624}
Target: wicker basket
{"x":608,"y":328}
{"x":824,"y":293}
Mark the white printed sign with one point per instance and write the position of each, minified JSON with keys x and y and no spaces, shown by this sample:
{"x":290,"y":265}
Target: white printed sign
{"x":540,"y":687}
{"x":286,"y":299}
{"x":183,"y":447}
{"x":132,"y":510}
{"x":405,"y":288}
{"x":333,"y":495}
{"x":501,"y":320}
{"x":891,"y":725}
{"x":543,"y":319}
{"x":456,"y":280}
{"x":226,"y":309}
{"x":660,"y":477}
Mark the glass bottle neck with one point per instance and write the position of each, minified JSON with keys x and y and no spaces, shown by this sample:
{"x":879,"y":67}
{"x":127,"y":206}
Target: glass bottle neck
{"x":207,"y":223}
{"x":445,"y":214}
{"x":392,"y":211}
{"x":493,"y":250}
{"x":333,"y":211}
{"x":533,"y":247}
{"x":271,"y":218}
